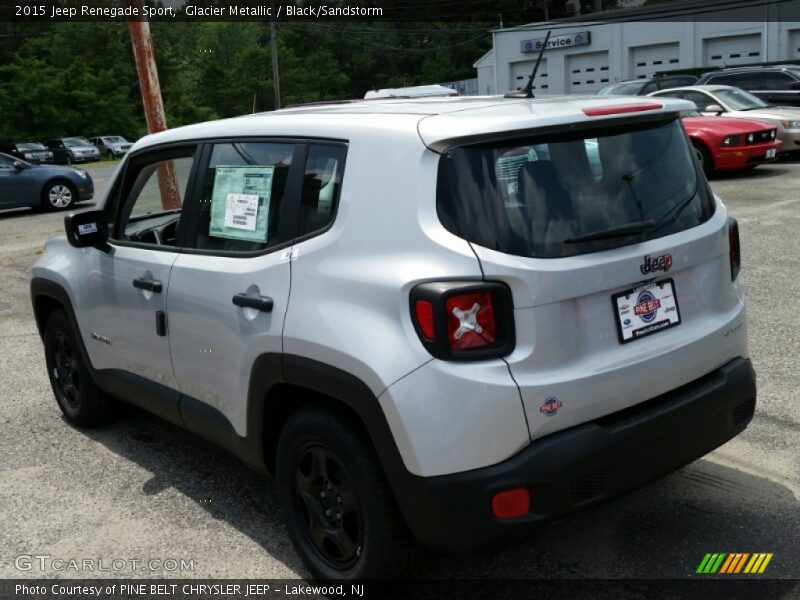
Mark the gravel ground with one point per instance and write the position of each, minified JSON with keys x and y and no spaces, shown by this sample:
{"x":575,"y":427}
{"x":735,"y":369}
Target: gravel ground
{"x":140,"y":488}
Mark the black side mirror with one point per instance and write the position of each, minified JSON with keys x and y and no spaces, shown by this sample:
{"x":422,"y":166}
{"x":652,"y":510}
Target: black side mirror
{"x":87,"y":229}
{"x":19,"y":165}
{"x":795,"y":85}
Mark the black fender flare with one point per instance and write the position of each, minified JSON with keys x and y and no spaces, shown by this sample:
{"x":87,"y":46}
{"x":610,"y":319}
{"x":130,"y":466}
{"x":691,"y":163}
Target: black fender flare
{"x":346,"y":388}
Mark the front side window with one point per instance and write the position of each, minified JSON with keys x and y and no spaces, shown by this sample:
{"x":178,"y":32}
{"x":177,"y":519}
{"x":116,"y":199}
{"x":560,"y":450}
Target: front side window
{"x":241,"y":194}
{"x":77,"y":143}
{"x":701,"y":101}
{"x":153,"y":203}
{"x":539,"y":197}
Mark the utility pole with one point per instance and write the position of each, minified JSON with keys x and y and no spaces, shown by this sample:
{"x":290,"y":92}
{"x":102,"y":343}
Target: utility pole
{"x":154,"y":114}
{"x":276,"y":78}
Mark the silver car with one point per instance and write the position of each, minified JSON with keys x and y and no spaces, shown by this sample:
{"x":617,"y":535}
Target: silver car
{"x":446,"y":322}
{"x":728,"y":101}
{"x":111,"y":146}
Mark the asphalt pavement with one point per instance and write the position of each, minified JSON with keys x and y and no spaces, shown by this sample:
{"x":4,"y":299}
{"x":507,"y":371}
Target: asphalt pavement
{"x":139,"y":488}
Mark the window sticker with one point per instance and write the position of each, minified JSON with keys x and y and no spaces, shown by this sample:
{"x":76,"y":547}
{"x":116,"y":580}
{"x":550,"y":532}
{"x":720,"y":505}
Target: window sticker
{"x":240,"y":202}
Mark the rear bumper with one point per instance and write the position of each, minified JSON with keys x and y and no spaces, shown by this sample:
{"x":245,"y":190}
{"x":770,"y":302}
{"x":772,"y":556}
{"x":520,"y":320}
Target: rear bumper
{"x":568,"y":471}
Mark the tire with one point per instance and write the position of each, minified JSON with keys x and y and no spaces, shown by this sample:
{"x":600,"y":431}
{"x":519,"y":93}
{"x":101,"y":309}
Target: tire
{"x":59,"y":195}
{"x":340,"y":512}
{"x":110,"y":155}
{"x":77,"y":396}
{"x":704,"y":158}
{"x":68,"y":160}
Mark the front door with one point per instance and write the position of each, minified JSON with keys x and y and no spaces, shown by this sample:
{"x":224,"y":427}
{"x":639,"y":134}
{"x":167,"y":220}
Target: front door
{"x":15,"y":185}
{"x":127,"y":330}
{"x":228,"y":293}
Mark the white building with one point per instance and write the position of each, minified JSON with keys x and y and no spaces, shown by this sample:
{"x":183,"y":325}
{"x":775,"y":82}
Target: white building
{"x":583,"y":56}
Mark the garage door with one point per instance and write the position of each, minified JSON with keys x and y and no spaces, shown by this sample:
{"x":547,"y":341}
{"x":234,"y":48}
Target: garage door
{"x":794,"y":43}
{"x":646,"y":61}
{"x":521,"y":72}
{"x":586,"y":73}
{"x":732,"y":50}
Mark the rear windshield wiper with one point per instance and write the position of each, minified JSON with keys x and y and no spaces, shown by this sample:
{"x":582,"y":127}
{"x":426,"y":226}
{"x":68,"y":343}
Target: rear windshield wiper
{"x":632,"y":228}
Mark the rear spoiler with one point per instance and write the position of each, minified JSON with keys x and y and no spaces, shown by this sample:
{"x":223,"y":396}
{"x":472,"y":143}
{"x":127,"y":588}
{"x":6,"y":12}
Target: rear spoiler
{"x":592,"y":117}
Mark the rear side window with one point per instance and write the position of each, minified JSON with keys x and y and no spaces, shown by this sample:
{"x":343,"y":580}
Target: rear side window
{"x":777,"y":81}
{"x":322,"y":182}
{"x":533,"y":197}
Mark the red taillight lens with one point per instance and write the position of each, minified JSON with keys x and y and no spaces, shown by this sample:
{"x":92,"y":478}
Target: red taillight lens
{"x":470,"y":321}
{"x":734,"y":251}
{"x":463,"y":320}
{"x":424,"y":313}
{"x":511,"y":503}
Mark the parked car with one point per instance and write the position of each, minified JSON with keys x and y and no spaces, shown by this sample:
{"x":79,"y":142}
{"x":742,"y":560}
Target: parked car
{"x":73,"y":150}
{"x":777,"y":84}
{"x":727,"y":101}
{"x":461,"y":359}
{"x":41,"y":186}
{"x":642,"y":87}
{"x":730,"y":144}
{"x":32,"y":152}
{"x":111,"y":146}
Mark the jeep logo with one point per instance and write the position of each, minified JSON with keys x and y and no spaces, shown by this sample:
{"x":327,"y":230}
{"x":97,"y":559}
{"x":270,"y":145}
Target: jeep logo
{"x":656,"y":263}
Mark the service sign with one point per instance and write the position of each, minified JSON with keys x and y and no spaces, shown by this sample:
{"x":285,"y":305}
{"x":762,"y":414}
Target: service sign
{"x":581,"y":38}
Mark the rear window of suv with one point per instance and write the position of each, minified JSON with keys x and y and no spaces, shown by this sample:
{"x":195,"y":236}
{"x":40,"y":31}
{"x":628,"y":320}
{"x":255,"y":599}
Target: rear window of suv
{"x":533,"y":197}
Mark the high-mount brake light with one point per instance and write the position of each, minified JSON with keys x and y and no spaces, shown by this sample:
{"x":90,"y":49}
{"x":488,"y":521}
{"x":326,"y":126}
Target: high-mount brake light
{"x":601,"y":111}
{"x":464,"y":320}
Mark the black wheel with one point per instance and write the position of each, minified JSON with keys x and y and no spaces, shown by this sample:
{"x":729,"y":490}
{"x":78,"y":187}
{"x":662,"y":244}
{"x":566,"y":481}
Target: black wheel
{"x":59,"y":195}
{"x":110,"y":155}
{"x":76,"y":393}
{"x":704,"y":158}
{"x":69,"y":159}
{"x":340,"y":512}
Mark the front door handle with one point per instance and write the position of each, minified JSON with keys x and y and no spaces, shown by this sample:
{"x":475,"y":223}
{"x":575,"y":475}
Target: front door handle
{"x":151,"y":285}
{"x":262,"y":303}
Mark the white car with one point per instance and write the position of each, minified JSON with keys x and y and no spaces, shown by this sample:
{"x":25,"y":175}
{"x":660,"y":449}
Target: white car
{"x":728,"y":101}
{"x":445,"y":321}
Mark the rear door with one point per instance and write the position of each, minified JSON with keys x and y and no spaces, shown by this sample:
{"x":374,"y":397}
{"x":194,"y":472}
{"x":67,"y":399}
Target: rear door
{"x":229,"y":292}
{"x":602,"y":323}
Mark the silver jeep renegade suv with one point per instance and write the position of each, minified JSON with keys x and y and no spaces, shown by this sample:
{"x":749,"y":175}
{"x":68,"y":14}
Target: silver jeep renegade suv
{"x":445,"y":321}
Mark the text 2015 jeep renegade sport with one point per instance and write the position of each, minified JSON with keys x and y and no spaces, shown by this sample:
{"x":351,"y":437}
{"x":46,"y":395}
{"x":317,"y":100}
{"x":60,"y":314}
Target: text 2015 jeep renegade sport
{"x":449,"y":320}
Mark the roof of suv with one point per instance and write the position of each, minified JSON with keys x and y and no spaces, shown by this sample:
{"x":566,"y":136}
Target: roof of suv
{"x":754,"y":68}
{"x":432,"y":119}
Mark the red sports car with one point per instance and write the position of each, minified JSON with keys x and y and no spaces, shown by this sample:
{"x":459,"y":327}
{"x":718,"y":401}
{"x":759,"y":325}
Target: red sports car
{"x":726,"y":144}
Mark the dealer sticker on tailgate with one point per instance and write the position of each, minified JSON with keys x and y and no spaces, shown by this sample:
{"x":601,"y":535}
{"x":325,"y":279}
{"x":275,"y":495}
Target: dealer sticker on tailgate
{"x":645,"y":310}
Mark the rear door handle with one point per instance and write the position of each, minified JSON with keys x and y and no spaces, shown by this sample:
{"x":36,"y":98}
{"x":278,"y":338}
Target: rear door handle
{"x":262,"y":303}
{"x":151,"y":285}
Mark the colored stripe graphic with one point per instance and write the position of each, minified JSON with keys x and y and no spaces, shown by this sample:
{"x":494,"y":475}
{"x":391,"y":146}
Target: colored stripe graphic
{"x":740,"y":564}
{"x":726,"y":565}
{"x":734,"y":562}
{"x":765,"y":563}
{"x":703,"y":563}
